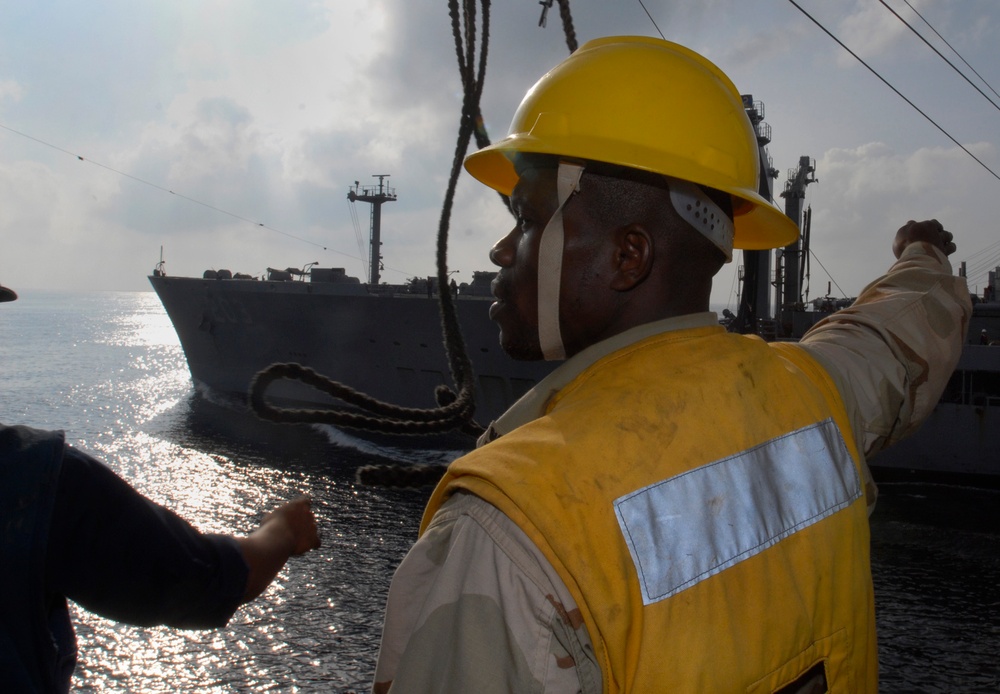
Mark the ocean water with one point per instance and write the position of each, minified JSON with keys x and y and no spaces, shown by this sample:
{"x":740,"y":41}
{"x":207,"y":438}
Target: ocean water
{"x":108,"y":370}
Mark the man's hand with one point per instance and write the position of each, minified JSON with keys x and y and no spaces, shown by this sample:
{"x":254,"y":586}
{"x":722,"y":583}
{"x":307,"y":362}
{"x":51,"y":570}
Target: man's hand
{"x":297,"y":520}
{"x":930,"y":231}
{"x":287,"y":531}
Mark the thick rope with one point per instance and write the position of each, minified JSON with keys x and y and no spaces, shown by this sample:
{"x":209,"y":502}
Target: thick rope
{"x":391,"y":475}
{"x":472,"y":89}
{"x":568,"y":30}
{"x":411,"y":476}
{"x":404,"y":420}
{"x":455,"y":410}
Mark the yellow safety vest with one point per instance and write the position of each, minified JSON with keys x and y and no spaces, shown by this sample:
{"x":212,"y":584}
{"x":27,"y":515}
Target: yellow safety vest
{"x":700,"y":495}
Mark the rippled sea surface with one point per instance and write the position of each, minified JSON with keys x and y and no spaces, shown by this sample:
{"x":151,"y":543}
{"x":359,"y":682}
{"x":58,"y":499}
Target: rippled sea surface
{"x":107,"y":369}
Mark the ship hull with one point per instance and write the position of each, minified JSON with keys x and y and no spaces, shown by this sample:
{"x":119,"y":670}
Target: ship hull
{"x":954,"y":440}
{"x":386,"y":345}
{"x":389,"y":346}
{"x":962,"y":434}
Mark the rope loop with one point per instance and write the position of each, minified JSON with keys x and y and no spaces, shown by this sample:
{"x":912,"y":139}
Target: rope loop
{"x":369,"y":414}
{"x":456,"y":408}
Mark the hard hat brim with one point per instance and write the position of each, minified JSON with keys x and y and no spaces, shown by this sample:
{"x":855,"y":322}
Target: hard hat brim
{"x":759,"y":225}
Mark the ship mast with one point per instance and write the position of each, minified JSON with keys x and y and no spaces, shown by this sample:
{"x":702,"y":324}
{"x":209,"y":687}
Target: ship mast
{"x":755,"y":311}
{"x":375,"y":196}
{"x":792,"y":258}
{"x":755,"y":305}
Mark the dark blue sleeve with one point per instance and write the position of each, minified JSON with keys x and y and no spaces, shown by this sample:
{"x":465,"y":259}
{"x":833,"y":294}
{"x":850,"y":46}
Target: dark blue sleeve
{"x":118,"y":554}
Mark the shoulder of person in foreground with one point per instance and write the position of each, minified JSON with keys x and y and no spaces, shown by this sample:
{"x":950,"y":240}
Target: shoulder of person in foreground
{"x":474,"y":606}
{"x":892,"y":352}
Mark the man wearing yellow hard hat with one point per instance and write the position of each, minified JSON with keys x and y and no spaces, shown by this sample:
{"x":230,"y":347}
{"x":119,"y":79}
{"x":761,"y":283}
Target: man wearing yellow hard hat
{"x":675,"y":508}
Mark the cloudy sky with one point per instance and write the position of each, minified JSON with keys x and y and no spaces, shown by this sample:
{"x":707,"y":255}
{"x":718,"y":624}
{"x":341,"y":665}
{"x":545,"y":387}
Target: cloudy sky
{"x":229,"y":132}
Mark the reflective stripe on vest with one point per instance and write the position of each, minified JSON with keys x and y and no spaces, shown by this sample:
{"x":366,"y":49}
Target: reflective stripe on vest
{"x":687,"y":528}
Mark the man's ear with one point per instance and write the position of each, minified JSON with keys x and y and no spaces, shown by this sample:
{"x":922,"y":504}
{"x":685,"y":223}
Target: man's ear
{"x":633,"y":259}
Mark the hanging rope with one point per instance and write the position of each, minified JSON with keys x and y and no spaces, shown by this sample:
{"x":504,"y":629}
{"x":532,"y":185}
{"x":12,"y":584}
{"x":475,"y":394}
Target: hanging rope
{"x":394,"y":475}
{"x":568,"y":30}
{"x":454,"y":410}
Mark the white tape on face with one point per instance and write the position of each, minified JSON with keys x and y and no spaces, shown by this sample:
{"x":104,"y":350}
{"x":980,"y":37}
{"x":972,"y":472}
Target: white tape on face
{"x":550,"y":254}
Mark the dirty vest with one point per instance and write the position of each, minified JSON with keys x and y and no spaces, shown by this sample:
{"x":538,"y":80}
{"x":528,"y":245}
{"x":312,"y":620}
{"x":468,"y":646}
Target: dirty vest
{"x":700,"y":495}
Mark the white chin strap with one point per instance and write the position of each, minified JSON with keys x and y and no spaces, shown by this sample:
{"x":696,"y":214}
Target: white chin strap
{"x":701,"y":212}
{"x":550,"y":256}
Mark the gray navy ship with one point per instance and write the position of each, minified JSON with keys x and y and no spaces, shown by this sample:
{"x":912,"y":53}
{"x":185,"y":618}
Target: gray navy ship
{"x":382,"y":339}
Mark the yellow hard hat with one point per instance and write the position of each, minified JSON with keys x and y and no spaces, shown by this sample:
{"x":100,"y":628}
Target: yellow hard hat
{"x":647,"y":104}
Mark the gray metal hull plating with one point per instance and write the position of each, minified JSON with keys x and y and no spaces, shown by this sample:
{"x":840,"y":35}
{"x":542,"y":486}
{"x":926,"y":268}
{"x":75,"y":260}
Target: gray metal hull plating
{"x":962,"y":434}
{"x":388,"y":346}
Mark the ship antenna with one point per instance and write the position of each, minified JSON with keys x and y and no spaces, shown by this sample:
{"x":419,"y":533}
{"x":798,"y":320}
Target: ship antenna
{"x":376,"y":198}
{"x":159,"y":270}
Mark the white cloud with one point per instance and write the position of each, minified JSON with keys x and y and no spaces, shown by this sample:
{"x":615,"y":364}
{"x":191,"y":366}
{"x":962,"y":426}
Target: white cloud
{"x":877,"y":190}
{"x":10,"y":89}
{"x":869,"y":30}
{"x":270,"y":112}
